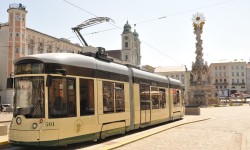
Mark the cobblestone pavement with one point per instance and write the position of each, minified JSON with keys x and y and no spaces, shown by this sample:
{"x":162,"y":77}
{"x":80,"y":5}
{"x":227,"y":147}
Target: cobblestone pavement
{"x":229,"y":129}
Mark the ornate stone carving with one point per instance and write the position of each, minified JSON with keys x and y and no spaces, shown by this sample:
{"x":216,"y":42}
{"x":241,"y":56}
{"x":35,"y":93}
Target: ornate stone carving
{"x":201,"y":89}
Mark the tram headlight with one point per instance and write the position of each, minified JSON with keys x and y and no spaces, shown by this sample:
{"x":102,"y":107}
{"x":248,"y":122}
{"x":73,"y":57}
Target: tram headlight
{"x":18,"y":120}
{"x":34,"y":125}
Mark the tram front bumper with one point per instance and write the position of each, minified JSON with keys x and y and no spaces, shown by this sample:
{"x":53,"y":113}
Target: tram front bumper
{"x":33,"y":138}
{"x":24,"y":137}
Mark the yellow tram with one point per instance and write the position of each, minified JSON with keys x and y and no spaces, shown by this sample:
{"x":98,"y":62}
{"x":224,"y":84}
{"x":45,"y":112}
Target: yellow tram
{"x":65,"y":98}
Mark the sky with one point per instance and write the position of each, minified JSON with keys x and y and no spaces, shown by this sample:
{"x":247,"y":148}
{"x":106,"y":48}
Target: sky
{"x":165,"y":27}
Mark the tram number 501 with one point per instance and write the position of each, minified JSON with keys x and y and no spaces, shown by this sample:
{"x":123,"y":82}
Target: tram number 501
{"x":50,"y":124}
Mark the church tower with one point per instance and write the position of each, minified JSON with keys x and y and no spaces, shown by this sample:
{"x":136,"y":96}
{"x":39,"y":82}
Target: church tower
{"x":17,"y":33}
{"x":130,"y":45}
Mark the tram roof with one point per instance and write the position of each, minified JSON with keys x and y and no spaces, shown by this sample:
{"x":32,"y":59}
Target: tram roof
{"x":156,"y":77}
{"x":93,"y":63}
{"x":76,"y":60}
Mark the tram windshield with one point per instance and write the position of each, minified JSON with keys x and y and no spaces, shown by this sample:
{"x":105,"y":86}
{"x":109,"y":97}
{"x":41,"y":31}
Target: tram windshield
{"x":29,"y":97}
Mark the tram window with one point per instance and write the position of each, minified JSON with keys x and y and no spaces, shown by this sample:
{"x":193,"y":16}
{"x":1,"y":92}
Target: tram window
{"x":162,"y":98}
{"x":31,"y":68}
{"x":144,"y":97}
{"x":62,"y":98}
{"x":176,"y":97}
{"x":155,"y":97}
{"x":71,"y":97}
{"x":87,"y":106}
{"x":119,"y":97}
{"x":29,"y":97}
{"x":108,"y":97}
{"x":113,"y":93}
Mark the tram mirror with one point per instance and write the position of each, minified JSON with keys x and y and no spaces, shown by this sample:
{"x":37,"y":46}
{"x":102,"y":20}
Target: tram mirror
{"x":10,"y":82}
{"x":49,"y":80}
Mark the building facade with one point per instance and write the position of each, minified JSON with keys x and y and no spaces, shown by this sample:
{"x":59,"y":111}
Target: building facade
{"x":248,"y":77}
{"x":17,"y":40}
{"x":131,"y":47}
{"x":229,"y":77}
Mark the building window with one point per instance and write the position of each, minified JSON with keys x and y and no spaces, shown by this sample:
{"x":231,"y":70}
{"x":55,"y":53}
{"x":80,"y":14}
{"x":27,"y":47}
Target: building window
{"x":216,"y":81}
{"x":232,"y":67}
{"x":237,"y":73}
{"x":224,"y":67}
{"x":242,"y":81}
{"x":242,"y":73}
{"x":30,"y":51}
{"x":237,"y":67}
{"x":238,"y":81}
{"x":215,"y":67}
{"x":232,"y":80}
{"x":17,"y":50}
{"x":126,"y":57}
{"x":219,"y":67}
{"x":126,"y":44}
{"x":232,"y":73}
{"x":177,"y":77}
{"x":17,"y":34}
{"x":225,"y":74}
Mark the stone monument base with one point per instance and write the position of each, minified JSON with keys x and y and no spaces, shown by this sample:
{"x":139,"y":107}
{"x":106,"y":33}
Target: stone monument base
{"x":192,"y":110}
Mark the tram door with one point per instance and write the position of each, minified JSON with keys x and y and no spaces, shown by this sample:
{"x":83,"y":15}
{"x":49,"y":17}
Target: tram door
{"x":145,"y":103}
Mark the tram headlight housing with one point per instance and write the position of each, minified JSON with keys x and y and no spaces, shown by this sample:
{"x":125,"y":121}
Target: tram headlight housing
{"x":18,"y":120}
{"x":34,"y":125}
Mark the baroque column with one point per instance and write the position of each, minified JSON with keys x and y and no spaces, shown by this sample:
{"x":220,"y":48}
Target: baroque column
{"x":200,"y":89}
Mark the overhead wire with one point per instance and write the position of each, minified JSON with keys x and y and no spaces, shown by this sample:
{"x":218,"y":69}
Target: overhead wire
{"x":183,"y":12}
{"x":142,"y":22}
{"x":119,"y":28}
{"x":146,"y":21}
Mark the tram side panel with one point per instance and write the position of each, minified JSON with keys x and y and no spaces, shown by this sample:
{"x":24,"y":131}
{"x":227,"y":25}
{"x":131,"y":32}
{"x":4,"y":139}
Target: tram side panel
{"x":176,"y":102}
{"x":136,"y":109}
{"x":81,"y":127}
{"x":113,"y":107}
{"x":160,"y":109}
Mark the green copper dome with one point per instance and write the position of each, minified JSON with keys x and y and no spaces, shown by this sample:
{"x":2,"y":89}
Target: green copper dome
{"x":126,"y":28}
{"x":136,"y":35}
